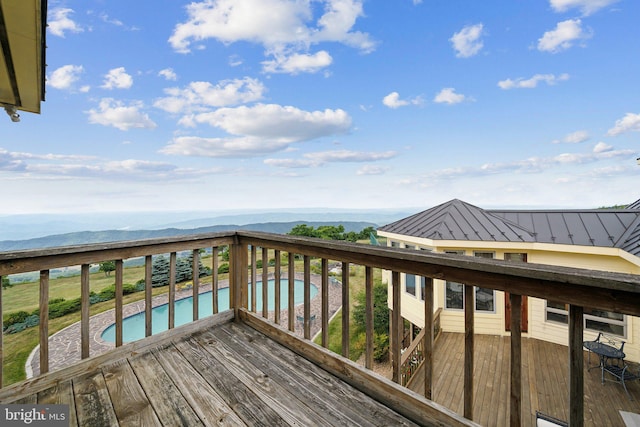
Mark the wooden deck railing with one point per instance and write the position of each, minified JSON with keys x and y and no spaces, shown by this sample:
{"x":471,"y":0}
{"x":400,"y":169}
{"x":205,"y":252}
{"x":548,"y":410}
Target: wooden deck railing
{"x":413,"y":357}
{"x":578,"y":288}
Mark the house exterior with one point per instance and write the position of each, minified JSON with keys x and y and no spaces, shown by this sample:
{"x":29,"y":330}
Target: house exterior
{"x":598,"y":239}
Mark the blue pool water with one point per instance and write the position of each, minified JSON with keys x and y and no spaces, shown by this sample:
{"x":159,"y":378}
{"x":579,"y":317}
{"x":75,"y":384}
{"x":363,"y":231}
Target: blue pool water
{"x":133,"y":326}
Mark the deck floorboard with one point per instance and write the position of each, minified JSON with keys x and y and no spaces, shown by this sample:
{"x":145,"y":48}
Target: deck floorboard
{"x":229,"y":375}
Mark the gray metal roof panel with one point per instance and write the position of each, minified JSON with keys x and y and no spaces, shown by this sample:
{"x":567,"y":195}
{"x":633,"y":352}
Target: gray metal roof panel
{"x":458,"y":220}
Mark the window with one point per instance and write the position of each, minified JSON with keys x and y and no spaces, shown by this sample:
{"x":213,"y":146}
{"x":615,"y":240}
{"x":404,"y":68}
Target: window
{"x":454,"y":292}
{"x":595,"y":320}
{"x":394,"y":244}
{"x":410,"y":284}
{"x":423,"y":286}
{"x":485,"y":297}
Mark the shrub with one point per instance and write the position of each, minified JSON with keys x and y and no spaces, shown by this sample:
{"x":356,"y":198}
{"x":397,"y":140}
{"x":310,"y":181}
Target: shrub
{"x":223,"y":268}
{"x":32,"y":320}
{"x":380,"y":309}
{"x":15,"y":328}
{"x":60,"y":308}
{"x":380,"y":347}
{"x":13,"y":318}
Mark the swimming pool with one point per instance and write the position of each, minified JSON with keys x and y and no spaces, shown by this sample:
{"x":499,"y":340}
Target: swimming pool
{"x":133,"y":327}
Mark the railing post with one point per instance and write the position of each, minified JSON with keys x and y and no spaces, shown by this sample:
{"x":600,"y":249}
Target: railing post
{"x":84,"y":311}
{"x":428,"y":337}
{"x":307,"y":297}
{"x":325,"y":302}
{"x":195,"y":268}
{"x":214,"y":280}
{"x":515,"y":413}
{"x":369,"y":326}
{"x":291,"y":308}
{"x":238,"y":277}
{"x":396,"y":328}
{"x":277,"y":282}
{"x":576,"y":366}
{"x":148,"y":296}
{"x":172,"y":289}
{"x":44,"y":321}
{"x":345,"y":309}
{"x":118,"y":308}
{"x":265,"y":282}
{"x":468,"y":351}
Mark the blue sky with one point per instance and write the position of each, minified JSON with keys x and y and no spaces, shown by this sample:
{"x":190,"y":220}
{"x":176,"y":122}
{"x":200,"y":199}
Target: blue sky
{"x":232,"y":104}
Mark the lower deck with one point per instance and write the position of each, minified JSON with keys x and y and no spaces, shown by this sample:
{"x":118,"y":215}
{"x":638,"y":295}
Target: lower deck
{"x":545,"y":379}
{"x":227,"y":374}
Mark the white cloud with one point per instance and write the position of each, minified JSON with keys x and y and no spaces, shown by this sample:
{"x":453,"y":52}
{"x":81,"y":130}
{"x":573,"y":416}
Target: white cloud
{"x":272,"y":121}
{"x":587,"y":7}
{"x":563,"y":37}
{"x":117,"y":78}
{"x":467,"y":42}
{"x":298,"y":63}
{"x":449,"y":96}
{"x":601,"y":147}
{"x":259,"y":130}
{"x":372,"y":170}
{"x":201,"y":96}
{"x":321,"y":158}
{"x":242,"y":147}
{"x":550,"y":79}
{"x":65,"y":76}
{"x":574,"y":137}
{"x":168,"y":74}
{"x":114,"y":113}
{"x":59,"y":22}
{"x":393,"y":100}
{"x":630,"y":122}
{"x":281,"y":26}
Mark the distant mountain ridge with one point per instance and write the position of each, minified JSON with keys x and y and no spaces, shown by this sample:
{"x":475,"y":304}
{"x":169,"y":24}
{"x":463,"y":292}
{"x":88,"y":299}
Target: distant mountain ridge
{"x":88,"y":237}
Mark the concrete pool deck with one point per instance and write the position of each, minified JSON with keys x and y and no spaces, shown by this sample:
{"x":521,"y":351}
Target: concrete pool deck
{"x":65,"y":349}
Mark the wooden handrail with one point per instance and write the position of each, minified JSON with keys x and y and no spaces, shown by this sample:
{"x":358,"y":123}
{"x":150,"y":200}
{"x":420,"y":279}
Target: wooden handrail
{"x":599,"y":290}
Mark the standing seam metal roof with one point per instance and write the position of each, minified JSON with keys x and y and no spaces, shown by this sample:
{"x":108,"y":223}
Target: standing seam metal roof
{"x":458,"y":220}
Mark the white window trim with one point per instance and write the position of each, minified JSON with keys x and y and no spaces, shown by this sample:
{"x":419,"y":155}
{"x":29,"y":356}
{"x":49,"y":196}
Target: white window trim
{"x":586,"y":317}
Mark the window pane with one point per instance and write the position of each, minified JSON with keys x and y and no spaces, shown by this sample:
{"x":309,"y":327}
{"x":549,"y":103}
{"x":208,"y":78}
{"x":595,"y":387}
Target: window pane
{"x":423,"y":285}
{"x":454,"y":295}
{"x":410,"y":284}
{"x":604,"y":314}
{"x":557,"y":305}
{"x":604,"y":327}
{"x":483,"y":254}
{"x":484,"y":299}
{"x":557,"y":317}
{"x":515,"y":257}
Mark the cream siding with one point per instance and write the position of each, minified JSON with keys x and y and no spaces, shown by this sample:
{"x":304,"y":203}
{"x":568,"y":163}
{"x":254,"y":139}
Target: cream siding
{"x":604,"y":259}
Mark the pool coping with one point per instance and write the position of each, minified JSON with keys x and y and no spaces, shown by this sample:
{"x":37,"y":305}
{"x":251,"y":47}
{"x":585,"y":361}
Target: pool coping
{"x":65,"y":348}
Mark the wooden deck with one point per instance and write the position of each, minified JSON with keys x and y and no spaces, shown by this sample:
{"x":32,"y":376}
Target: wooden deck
{"x":545,"y":375}
{"x":225,"y":374}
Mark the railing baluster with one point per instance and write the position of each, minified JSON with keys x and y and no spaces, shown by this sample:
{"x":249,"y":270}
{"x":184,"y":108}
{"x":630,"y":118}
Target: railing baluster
{"x":238,"y":278}
{"x":291,"y":309}
{"x":515,"y":412}
{"x":214,"y":280}
{"x":44,"y":321}
{"x":428,"y":337}
{"x":396,"y":327}
{"x":172,"y":289}
{"x":325,"y":302}
{"x":265,"y":282}
{"x":119,"y":274}
{"x":148,"y":295}
{"x":84,"y":311}
{"x":345,"y":309}
{"x":277,"y":287}
{"x":576,"y":366}
{"x":253,"y":278}
{"x":307,"y":297}
{"x":196,"y":283}
{"x":468,"y":351}
{"x":369,"y":326}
